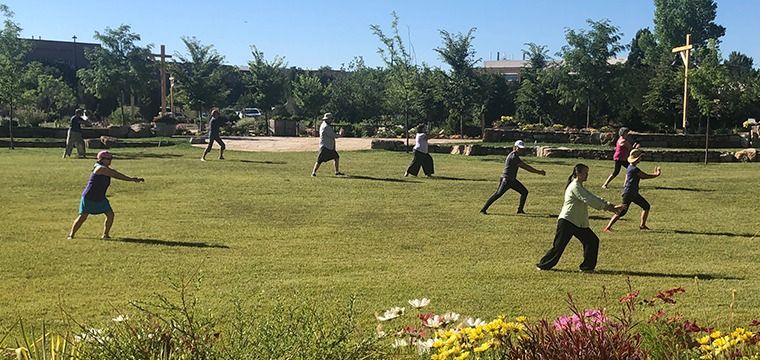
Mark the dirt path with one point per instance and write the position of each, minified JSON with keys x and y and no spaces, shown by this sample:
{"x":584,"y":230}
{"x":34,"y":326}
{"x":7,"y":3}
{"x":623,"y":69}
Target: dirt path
{"x":295,"y":144}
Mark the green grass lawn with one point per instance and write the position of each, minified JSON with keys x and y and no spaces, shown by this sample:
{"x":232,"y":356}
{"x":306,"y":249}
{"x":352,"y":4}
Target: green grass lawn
{"x":258,"y":227}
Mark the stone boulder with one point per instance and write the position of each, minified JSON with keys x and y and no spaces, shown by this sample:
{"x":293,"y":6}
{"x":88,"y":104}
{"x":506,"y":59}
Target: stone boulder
{"x":118,"y":131}
{"x":746,"y":155}
{"x":140,"y":131}
{"x":198,"y":140}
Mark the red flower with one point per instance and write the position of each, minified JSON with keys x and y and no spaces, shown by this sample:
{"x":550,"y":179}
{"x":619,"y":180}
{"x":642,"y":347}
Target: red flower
{"x":657,"y":315}
{"x":629,"y":297}
{"x":755,"y":323}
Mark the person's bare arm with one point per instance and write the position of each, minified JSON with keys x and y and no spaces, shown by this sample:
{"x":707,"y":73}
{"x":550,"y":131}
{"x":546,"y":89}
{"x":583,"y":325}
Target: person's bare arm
{"x":531,"y":169}
{"x":644,"y":176}
{"x":117,"y":175}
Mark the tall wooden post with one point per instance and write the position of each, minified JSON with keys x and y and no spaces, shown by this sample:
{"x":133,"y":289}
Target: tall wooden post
{"x":162,"y":57}
{"x":685,"y":51}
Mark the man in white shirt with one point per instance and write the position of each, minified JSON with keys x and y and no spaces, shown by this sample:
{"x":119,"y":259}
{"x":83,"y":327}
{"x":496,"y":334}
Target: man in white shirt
{"x":327,"y":146}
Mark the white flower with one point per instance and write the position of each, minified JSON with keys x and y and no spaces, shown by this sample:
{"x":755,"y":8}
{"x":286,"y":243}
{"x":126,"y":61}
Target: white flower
{"x":450,"y":317}
{"x":391,"y":313}
{"x":434,"y":322}
{"x":474,"y":322}
{"x":380,"y":332}
{"x":120,"y":318}
{"x":399,"y":343}
{"x":419,"y":303}
{"x":424,"y":347}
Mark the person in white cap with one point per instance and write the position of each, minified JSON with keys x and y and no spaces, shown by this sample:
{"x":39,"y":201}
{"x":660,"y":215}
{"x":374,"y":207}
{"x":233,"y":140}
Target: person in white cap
{"x":631,"y":190}
{"x":327,"y":145}
{"x":509,"y":178}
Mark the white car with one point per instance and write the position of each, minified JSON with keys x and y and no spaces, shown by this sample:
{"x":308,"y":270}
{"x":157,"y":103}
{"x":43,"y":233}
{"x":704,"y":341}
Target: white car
{"x":249,"y":112}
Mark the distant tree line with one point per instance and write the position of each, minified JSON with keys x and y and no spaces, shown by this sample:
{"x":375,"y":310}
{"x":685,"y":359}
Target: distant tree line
{"x":578,"y":85}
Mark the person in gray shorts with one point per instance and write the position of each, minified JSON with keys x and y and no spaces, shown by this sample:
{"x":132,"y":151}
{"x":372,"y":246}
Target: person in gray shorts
{"x":509,"y":178}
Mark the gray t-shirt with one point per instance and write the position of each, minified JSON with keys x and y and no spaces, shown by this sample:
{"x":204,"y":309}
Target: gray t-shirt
{"x":326,"y":136}
{"x":511,"y":165}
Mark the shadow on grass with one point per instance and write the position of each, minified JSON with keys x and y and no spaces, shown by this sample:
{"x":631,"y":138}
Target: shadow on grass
{"x":263,"y":162}
{"x":139,"y":156}
{"x":709,"y":233}
{"x":681,"y":189}
{"x":436,"y":177}
{"x":169,"y":243}
{"x":657,"y":274}
{"x":554,"y":216}
{"x":362,"y":177}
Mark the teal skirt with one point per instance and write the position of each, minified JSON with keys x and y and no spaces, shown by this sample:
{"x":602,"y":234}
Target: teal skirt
{"x":87,"y":206}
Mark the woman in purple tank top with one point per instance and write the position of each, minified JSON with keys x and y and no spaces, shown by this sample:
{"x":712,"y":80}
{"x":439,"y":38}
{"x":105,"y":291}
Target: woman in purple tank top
{"x":94,"y":199}
{"x":623,"y":147}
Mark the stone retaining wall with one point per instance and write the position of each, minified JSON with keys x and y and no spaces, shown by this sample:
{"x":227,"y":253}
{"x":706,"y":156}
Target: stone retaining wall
{"x":562,"y":152}
{"x":133,"y":131}
{"x":689,"y":141}
{"x":90,"y":144}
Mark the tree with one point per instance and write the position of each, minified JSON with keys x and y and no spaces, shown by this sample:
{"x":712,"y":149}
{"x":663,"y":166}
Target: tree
{"x":458,"y":52}
{"x":532,"y":100}
{"x":12,"y":52}
{"x":310,"y":94}
{"x":402,"y":72}
{"x":673,"y":19}
{"x":709,"y":82}
{"x":119,"y":68}
{"x":199,"y":75}
{"x":267,"y":81}
{"x":45,"y":90}
{"x":586,"y":58}
{"x":358,"y":93}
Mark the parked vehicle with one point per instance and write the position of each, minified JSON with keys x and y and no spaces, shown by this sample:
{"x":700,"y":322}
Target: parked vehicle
{"x":250,"y":113}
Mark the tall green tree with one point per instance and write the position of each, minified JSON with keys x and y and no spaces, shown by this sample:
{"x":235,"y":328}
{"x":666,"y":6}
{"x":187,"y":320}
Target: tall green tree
{"x":12,"y":53}
{"x":533,"y":99}
{"x":358,"y":93}
{"x":709,"y":83}
{"x":199,"y":75}
{"x":673,"y":19}
{"x":586,"y":59}
{"x":45,"y":90}
{"x":459,"y":53}
{"x":267,"y":82}
{"x":119,"y":68}
{"x":400,"y":90}
{"x":310,"y":95}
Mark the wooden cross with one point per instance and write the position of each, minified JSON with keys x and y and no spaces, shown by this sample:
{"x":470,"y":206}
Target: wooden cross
{"x":684,"y":51}
{"x":163,"y":58}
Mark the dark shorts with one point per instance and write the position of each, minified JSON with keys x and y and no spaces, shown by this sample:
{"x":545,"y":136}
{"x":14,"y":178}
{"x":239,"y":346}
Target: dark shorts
{"x":636,"y":199}
{"x":326,"y":155}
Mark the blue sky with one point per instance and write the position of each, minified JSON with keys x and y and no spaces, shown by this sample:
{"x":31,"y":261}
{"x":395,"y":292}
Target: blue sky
{"x":310,"y":34}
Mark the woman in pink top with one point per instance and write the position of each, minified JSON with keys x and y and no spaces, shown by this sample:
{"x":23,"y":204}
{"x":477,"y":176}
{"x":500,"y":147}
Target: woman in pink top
{"x":622,"y":149}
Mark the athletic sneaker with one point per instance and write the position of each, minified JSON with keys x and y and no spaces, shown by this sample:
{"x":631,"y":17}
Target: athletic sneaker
{"x":339,"y":173}
{"x":313,"y":174}
{"x":521,"y":211}
{"x":105,"y":237}
{"x":69,"y":237}
{"x":588,"y":271}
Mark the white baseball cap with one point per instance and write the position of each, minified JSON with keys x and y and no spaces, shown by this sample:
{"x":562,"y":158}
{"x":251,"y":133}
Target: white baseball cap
{"x":520,"y":144}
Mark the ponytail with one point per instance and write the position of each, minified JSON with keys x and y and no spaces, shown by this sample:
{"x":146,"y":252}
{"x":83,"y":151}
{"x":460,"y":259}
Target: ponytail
{"x":576,"y":169}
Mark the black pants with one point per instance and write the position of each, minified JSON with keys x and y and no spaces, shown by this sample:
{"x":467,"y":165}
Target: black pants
{"x":505,"y":185}
{"x":211,"y":140}
{"x":423,"y":160}
{"x":636,"y":199}
{"x":618,"y":165}
{"x":565,"y":231}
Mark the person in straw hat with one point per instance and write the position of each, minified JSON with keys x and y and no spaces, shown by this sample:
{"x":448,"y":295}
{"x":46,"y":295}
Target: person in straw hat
{"x":631,"y":190}
{"x":94,"y":200}
{"x":327,"y":145}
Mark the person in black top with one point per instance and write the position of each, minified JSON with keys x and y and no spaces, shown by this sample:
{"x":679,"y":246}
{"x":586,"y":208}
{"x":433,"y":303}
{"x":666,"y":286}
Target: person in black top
{"x":509,"y":178}
{"x":74,"y":135}
{"x":213,"y":134}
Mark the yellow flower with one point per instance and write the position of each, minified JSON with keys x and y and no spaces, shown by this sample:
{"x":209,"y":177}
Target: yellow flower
{"x":715,"y":334}
{"x":705,"y":340}
{"x":485,"y":346}
{"x":521,"y":319}
{"x":463,"y":356}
